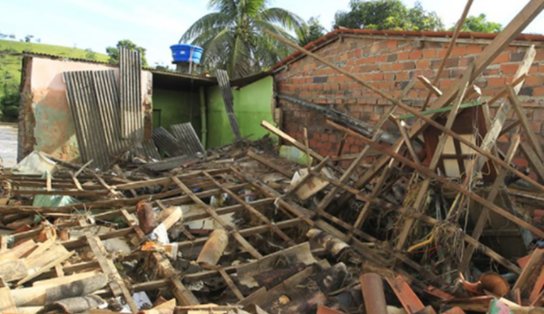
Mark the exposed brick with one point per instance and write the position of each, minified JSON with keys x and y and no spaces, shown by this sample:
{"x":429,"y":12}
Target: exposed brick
{"x":517,"y":56}
{"x":392,"y":57}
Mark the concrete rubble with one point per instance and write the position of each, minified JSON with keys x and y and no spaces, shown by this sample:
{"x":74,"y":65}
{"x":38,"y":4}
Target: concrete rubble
{"x":268,"y":227}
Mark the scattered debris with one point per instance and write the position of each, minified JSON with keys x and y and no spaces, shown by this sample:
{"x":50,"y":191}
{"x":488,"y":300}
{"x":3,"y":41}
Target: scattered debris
{"x":438,"y":223}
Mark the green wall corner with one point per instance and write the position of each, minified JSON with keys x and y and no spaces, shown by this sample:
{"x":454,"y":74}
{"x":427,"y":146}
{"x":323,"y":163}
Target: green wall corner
{"x":252,"y":104}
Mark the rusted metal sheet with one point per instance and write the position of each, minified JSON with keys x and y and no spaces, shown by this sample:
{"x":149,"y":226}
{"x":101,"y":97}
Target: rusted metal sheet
{"x":130,"y":85}
{"x":93,"y":101}
{"x":85,"y":111}
{"x":187,"y":138}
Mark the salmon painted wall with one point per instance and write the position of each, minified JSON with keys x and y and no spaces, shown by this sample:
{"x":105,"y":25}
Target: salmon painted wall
{"x":45,"y":122}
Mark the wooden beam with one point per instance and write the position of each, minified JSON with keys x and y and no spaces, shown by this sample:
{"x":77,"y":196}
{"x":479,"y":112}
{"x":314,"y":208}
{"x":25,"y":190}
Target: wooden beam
{"x":116,"y":284}
{"x":533,"y":140}
{"x":421,"y":196}
{"x":445,"y":182}
{"x":286,"y":137}
{"x":451,"y":44}
{"x":503,"y":39}
{"x":253,"y":211}
{"x":482,"y":217}
{"x":226,"y":225}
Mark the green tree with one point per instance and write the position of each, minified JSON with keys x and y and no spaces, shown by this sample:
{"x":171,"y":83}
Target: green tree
{"x":309,"y":31}
{"x":113,"y":52}
{"x":480,"y":24}
{"x":387,"y":14}
{"x":234,"y":38}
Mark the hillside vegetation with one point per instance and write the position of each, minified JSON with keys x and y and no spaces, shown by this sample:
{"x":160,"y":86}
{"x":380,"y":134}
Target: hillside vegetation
{"x":10,"y":69}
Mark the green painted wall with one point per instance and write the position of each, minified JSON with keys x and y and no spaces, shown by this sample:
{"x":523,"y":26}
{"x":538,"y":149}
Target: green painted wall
{"x":176,"y":107}
{"x":252,"y":104}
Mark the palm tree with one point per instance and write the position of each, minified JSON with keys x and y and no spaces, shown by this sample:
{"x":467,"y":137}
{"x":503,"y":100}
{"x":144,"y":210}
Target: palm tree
{"x":234,"y":36}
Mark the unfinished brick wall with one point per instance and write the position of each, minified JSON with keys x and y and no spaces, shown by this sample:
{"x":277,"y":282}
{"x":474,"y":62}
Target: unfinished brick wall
{"x":390,"y":64}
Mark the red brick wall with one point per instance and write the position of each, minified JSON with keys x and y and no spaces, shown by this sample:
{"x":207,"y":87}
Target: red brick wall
{"x":390,"y":64}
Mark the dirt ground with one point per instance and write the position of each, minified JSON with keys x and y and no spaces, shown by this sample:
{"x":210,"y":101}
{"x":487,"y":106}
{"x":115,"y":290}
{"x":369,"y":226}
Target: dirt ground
{"x":8,"y":144}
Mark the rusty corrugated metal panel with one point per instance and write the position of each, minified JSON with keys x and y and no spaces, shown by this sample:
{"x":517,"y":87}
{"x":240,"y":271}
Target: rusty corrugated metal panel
{"x":93,"y":98}
{"x":187,"y":138}
{"x":130,"y":87}
{"x":85,"y":111}
{"x":166,"y":142}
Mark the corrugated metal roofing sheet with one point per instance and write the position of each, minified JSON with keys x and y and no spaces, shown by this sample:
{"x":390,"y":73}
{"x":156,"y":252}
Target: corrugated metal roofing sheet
{"x":166,"y":142}
{"x":83,"y":104}
{"x":130,"y":86}
{"x":187,"y":138}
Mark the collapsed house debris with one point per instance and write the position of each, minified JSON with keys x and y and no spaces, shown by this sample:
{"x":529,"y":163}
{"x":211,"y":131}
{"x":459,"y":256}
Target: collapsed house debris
{"x":431,"y":216}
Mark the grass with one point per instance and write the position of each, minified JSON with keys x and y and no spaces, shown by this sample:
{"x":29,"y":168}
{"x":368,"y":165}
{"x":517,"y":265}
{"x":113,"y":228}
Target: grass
{"x":10,"y":65}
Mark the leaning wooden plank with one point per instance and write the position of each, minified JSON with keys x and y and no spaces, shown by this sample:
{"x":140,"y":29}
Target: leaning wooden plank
{"x":324,"y":203}
{"x":537,"y":146}
{"x":451,"y":44}
{"x":530,"y":273}
{"x":116,"y":284}
{"x":268,"y":163}
{"x":19,"y":251}
{"x":534,"y":161}
{"x":421,"y":196}
{"x":286,"y":137}
{"x":445,"y":182}
{"x":482,"y":217}
{"x":430,"y":86}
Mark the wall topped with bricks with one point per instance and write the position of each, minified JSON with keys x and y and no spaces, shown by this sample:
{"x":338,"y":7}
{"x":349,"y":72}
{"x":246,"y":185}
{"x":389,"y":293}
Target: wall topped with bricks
{"x":391,"y":63}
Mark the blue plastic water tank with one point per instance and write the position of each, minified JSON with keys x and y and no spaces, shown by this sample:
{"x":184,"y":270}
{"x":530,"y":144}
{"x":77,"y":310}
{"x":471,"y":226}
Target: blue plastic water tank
{"x":186,"y":53}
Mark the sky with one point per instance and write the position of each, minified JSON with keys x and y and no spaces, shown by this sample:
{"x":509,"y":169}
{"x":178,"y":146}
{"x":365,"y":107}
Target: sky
{"x":157,"y":24}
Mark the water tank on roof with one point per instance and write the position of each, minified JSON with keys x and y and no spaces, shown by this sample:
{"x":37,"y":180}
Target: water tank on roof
{"x":186,"y":53}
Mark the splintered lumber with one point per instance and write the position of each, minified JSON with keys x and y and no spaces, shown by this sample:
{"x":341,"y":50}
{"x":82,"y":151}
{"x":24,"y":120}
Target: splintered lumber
{"x":116,"y":284}
{"x":445,"y":182}
{"x":269,"y":164}
{"x":530,"y":273}
{"x":373,"y":294}
{"x":183,"y":295}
